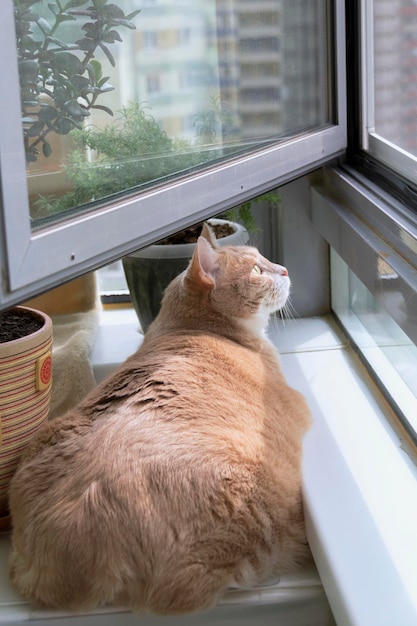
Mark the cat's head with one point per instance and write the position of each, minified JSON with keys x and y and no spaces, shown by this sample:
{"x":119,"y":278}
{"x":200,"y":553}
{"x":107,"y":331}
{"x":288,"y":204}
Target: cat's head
{"x":230,"y":283}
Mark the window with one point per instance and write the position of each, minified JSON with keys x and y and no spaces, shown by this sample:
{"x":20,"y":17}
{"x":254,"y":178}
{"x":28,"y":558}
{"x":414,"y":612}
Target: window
{"x":74,"y":199}
{"x":374,"y":260}
{"x":389,"y":72}
{"x":153,"y":84}
{"x":386,"y":349}
{"x":373,"y":293}
{"x":250,"y":96}
{"x":373,"y":285}
{"x":150,"y":39}
{"x":184,"y":36}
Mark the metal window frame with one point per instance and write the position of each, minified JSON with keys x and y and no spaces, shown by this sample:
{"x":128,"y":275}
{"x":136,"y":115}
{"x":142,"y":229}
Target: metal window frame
{"x":363,"y":225}
{"x":32,"y":262}
{"x":383,"y":150}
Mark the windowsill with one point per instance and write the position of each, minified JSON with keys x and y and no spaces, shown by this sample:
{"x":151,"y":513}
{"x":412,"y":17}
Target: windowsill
{"x":118,"y":336}
{"x":360,"y":485}
{"x":360,"y":494}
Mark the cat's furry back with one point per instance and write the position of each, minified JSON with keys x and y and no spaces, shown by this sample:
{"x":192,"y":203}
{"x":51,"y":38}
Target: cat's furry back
{"x":180,"y":475}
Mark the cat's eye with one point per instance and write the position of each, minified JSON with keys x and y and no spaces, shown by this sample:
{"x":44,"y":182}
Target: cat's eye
{"x":256,"y":269}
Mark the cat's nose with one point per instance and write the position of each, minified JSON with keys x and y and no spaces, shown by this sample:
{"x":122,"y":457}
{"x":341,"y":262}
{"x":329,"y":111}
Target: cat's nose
{"x":279,"y":269}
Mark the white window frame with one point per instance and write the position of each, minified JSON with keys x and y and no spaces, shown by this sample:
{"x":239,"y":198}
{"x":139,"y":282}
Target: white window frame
{"x":35,"y":261}
{"x":391,"y":155}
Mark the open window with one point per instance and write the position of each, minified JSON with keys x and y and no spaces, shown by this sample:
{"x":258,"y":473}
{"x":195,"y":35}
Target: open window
{"x":227,"y":99}
{"x":367,"y":207}
{"x":388,"y":77}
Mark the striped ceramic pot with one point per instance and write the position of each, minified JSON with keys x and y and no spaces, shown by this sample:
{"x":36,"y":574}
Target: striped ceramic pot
{"x":25,"y":390}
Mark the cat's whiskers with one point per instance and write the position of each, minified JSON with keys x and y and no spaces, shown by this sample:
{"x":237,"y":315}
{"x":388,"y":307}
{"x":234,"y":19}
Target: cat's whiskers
{"x":288,"y":315}
{"x":290,"y":311}
{"x":285,"y":316}
{"x":275,"y":300}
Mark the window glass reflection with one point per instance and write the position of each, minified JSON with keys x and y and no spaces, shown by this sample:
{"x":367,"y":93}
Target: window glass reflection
{"x":390,"y":354}
{"x":122,"y":94}
{"x":395,"y":72}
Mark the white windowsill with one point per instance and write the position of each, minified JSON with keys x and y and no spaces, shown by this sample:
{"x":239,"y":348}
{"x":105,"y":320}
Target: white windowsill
{"x":360,"y":485}
{"x":360,"y":494}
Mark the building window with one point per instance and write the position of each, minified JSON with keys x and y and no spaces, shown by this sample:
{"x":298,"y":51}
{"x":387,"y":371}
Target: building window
{"x":150,"y":39}
{"x":184,"y":36}
{"x":153,"y":84}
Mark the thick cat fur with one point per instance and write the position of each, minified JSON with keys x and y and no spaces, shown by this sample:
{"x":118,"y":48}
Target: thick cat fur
{"x":179,"y":476}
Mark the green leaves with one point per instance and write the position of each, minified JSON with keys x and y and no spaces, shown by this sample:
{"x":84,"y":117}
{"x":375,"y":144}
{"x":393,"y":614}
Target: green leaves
{"x":81,"y":83}
{"x":102,"y":108}
{"x":74,"y":3}
{"x":47,"y":113}
{"x":46,"y":149}
{"x":111,"y":36}
{"x":111,"y":11}
{"x":128,"y":152}
{"x":67,"y":63}
{"x":108,"y":54}
{"x":75,"y":111}
{"x":35,"y":129}
{"x":28,"y":70}
{"x":64,"y":125}
{"x":95,"y":71}
{"x":44,"y":25}
{"x":61,"y":81}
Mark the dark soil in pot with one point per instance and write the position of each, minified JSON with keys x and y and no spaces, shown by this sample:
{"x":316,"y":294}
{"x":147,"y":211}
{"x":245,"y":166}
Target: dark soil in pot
{"x":15,"y":324}
{"x":191,"y":234}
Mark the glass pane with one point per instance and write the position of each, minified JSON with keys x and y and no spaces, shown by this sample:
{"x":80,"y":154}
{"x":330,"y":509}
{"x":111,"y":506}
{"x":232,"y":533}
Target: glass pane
{"x":121,"y":94}
{"x":389,"y":352}
{"x":395,"y":72}
{"x":111,"y":280}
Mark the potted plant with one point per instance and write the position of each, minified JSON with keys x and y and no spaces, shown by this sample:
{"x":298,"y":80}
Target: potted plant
{"x":25,"y":387}
{"x":60,"y":80}
{"x":130,"y":151}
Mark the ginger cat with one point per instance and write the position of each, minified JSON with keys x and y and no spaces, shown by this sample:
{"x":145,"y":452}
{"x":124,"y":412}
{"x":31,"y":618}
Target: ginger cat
{"x":179,"y":476}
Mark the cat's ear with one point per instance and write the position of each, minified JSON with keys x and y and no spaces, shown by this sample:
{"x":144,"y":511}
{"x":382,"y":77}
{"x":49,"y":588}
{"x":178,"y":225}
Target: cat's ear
{"x":208,"y":234}
{"x":203,"y":266}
